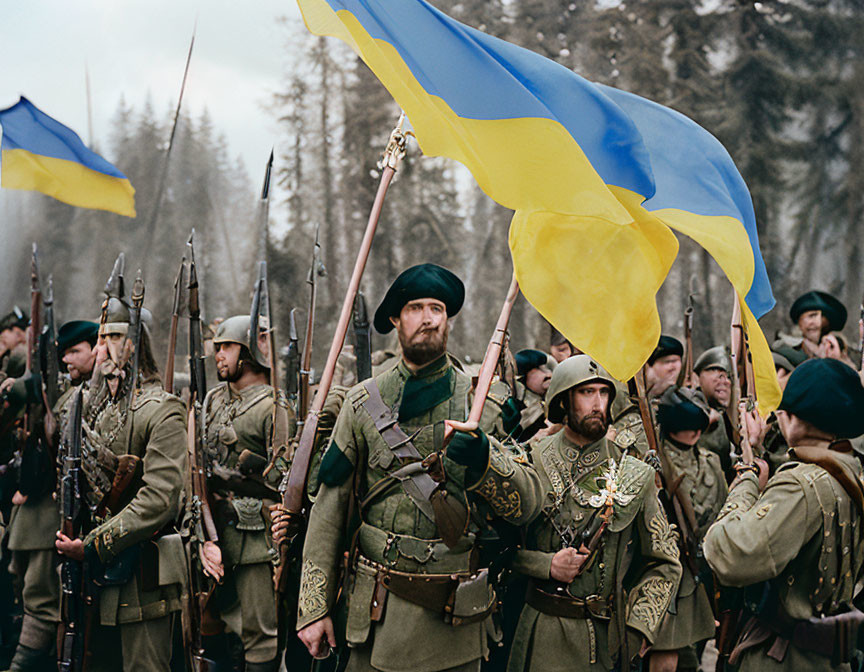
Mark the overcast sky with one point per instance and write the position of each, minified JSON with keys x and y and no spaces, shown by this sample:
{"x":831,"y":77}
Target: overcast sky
{"x":136,"y":47}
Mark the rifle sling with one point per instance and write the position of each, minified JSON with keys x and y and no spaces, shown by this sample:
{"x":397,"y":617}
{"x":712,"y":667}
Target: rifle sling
{"x":418,"y":485}
{"x":825,"y":458}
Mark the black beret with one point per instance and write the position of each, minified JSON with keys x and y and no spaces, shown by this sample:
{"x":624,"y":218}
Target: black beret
{"x":666,"y":346}
{"x":529,"y":359}
{"x":826,"y":393}
{"x":425,"y":281}
{"x":75,"y":332}
{"x":682,"y":409}
{"x":832,"y":309}
{"x":14,"y":318}
{"x":787,"y":357}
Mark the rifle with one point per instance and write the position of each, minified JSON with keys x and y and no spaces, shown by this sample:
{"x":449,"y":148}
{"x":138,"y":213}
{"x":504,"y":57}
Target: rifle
{"x":362,"y":338}
{"x":201,"y":524}
{"x":261,"y":316}
{"x":686,"y":376}
{"x":134,"y":334}
{"x":293,"y":488}
{"x":743,"y":399}
{"x":315,"y":270}
{"x":292,"y":359}
{"x":51,"y":387}
{"x":172,"y":333}
{"x":75,"y":599}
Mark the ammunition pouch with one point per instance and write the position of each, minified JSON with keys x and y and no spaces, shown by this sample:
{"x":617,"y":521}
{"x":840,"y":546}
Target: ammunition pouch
{"x":564,"y":605}
{"x":460,"y":598}
{"x":117,"y":572}
{"x":249,"y":515}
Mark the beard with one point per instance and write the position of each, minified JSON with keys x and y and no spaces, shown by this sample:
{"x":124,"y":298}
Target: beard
{"x":431,"y":346}
{"x":593,"y":426}
{"x":231,"y":376}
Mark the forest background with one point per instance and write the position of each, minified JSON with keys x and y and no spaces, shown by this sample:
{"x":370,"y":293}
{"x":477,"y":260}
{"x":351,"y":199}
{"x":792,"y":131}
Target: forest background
{"x":780,"y":83}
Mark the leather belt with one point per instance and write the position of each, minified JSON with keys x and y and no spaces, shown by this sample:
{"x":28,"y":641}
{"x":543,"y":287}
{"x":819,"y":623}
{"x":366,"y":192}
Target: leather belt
{"x":564,"y":605}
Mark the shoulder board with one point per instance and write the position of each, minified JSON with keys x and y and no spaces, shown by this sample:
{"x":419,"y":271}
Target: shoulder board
{"x":356,"y":396}
{"x":624,"y":438}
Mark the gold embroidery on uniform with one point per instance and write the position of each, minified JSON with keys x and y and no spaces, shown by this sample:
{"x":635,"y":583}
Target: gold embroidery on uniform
{"x":506,"y":501}
{"x":663,"y":536}
{"x":652,"y":603}
{"x":313,"y":590}
{"x":499,"y":464}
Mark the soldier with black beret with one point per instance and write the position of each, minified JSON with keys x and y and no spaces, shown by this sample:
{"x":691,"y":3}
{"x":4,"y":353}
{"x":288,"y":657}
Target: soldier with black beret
{"x":814,"y":314}
{"x":699,"y":480}
{"x":664,"y":365}
{"x":419,"y":524}
{"x":534,"y":371}
{"x":801,"y":535}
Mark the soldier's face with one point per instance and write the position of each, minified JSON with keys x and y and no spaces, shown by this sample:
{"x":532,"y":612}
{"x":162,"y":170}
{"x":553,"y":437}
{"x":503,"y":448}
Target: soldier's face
{"x":227,"y":361}
{"x":537,"y":380}
{"x":423,"y":329}
{"x":562,"y":351}
{"x":11,"y":338}
{"x":716,"y":385}
{"x":79,"y":360}
{"x":588,"y":410}
{"x":663,"y":373}
{"x":812,"y":325}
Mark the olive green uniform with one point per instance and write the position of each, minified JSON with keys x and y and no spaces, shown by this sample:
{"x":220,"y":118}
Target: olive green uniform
{"x":690,"y":618}
{"x":638,"y":540}
{"x":133,"y":618}
{"x":803,"y":536}
{"x":32,"y":533}
{"x":238,"y":421}
{"x":395,"y":532}
{"x":627,"y":423}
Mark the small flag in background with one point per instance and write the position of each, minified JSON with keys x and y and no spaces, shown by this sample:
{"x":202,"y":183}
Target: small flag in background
{"x":597,"y":178}
{"x":38,"y":153}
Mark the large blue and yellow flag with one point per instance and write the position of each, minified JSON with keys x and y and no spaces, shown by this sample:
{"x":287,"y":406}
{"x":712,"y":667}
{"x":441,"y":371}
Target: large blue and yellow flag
{"x":39,"y":153}
{"x":596,"y":176}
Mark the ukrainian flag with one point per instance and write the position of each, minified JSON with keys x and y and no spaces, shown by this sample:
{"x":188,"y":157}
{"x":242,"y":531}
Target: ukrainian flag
{"x":597,"y":177}
{"x":39,"y":153}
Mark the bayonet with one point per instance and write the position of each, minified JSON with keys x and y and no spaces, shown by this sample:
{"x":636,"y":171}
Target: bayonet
{"x":292,"y":359}
{"x":362,"y":338}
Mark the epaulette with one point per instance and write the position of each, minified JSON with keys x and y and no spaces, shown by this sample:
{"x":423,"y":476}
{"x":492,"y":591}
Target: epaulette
{"x":624,"y":438}
{"x":356,"y":396}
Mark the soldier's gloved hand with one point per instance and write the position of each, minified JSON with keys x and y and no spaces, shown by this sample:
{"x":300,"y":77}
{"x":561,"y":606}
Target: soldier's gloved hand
{"x":471,"y":450}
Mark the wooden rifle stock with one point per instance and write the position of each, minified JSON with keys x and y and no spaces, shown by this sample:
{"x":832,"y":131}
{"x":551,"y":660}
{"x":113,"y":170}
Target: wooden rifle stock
{"x":294,"y":494}
{"x":306,"y":359}
{"x":743,"y":398}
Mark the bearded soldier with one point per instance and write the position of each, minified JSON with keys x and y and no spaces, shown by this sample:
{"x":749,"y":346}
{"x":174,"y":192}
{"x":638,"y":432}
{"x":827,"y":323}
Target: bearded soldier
{"x":239,"y":419}
{"x":699,"y":481}
{"x":602,"y":556}
{"x":35,"y":518}
{"x":416,"y":598}
{"x":798,"y":545}
{"x":713,"y":369}
{"x":134,"y":459}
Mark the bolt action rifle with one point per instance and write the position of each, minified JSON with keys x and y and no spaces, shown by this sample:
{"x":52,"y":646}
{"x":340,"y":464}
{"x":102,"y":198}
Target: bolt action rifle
{"x":294,"y":499}
{"x":201,"y":525}
{"x":362,"y":338}
{"x":172,"y":333}
{"x":292,"y":360}
{"x":687,"y":378}
{"x":75,"y":597}
{"x":316,"y":270}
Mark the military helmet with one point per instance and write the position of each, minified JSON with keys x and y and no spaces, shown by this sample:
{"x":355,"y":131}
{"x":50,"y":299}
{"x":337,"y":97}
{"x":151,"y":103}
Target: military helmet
{"x":570,"y":373}
{"x":118,"y":314}
{"x":235,"y":329}
{"x":714,"y":358}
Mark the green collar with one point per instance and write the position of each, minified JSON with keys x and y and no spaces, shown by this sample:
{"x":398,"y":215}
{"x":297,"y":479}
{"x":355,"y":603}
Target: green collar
{"x":426,"y":388}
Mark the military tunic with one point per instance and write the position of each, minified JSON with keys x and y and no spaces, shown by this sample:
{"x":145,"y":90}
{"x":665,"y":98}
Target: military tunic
{"x":395,"y":533}
{"x":237,"y":421}
{"x":803,"y":536}
{"x":627,"y":423}
{"x":690,"y":619}
{"x":638,"y":539}
{"x":153,"y":428}
{"x":32,"y":532}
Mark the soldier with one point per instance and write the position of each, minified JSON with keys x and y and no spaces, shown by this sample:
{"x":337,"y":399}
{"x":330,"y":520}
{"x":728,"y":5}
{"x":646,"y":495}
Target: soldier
{"x":814,"y":315}
{"x":602,"y":556}
{"x":786,"y":359}
{"x":714,"y":371}
{"x":700,"y":483}
{"x":415,"y":598}
{"x":534,"y":370}
{"x":559,"y":347}
{"x":13,"y":343}
{"x":239,"y":420}
{"x":35,"y":518}
{"x":663,"y":366}
{"x":134,"y":459}
{"x":798,"y":544}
